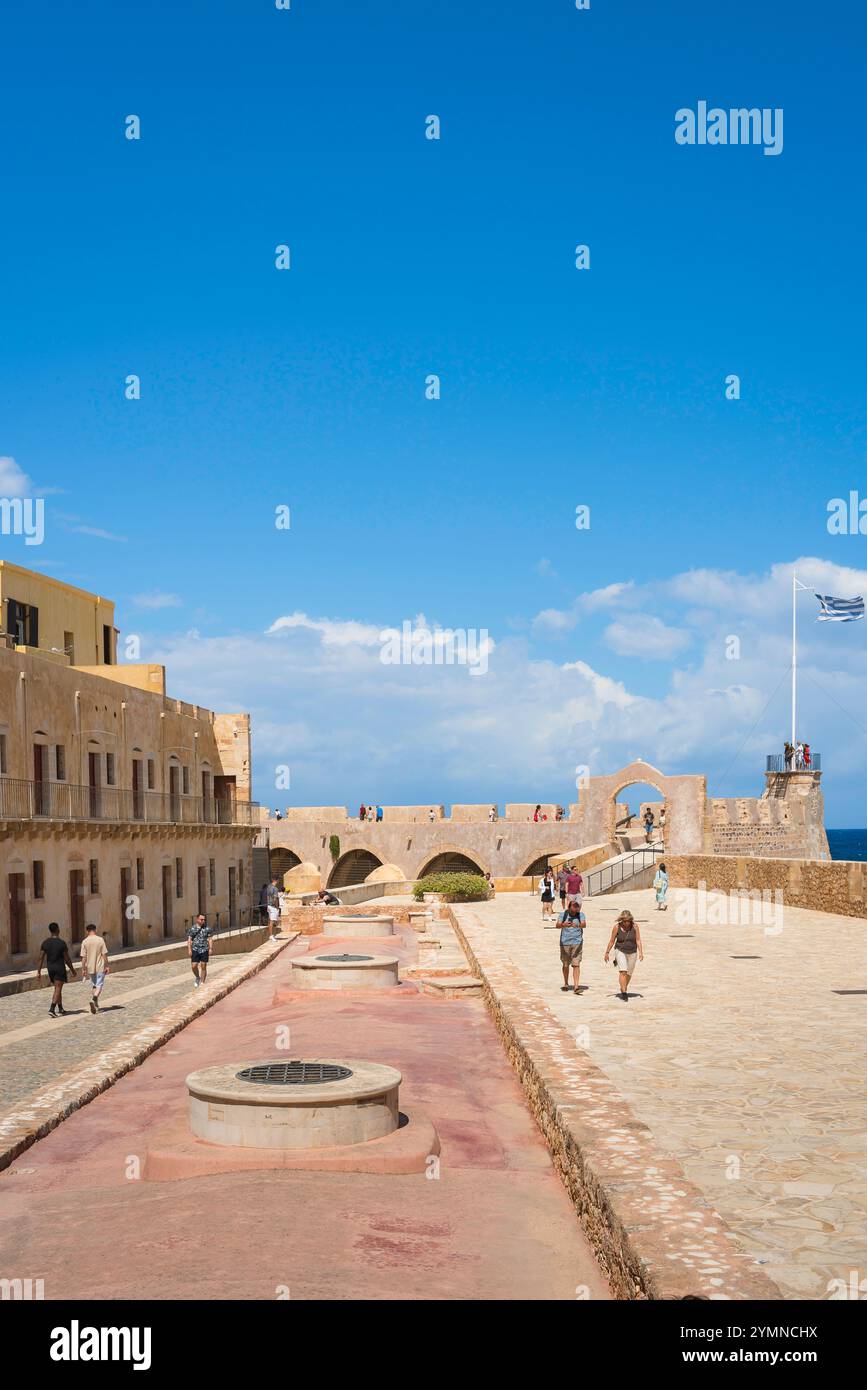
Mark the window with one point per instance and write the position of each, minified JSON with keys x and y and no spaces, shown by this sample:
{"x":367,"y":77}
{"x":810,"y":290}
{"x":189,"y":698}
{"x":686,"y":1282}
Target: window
{"x":22,"y":622}
{"x":38,"y":878}
{"x":212,"y":877}
{"x":2,"y":752}
{"x":107,"y":654}
{"x":60,"y":763}
{"x":240,"y":875}
{"x":179,"y":878}
{"x":109,"y":769}
{"x":185,"y":772}
{"x":94,"y":877}
{"x":139,"y":874}
{"x":152,"y":774}
{"x":69,"y":646}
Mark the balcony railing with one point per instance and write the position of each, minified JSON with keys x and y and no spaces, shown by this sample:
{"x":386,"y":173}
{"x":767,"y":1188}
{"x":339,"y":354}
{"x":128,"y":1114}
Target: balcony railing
{"x":20,"y":800}
{"x":777,"y":762}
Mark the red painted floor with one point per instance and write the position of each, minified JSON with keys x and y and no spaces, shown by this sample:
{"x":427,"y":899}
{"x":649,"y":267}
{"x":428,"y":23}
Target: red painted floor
{"x":496,"y":1224}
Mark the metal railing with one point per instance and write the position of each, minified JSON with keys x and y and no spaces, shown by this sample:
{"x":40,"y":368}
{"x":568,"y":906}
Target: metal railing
{"x":610,"y":875}
{"x":20,"y":800}
{"x":776,"y":762}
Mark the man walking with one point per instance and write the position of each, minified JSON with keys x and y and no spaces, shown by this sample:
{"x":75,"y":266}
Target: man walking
{"x":562,"y":882}
{"x":94,"y":962}
{"x":54,"y":953}
{"x":274,"y":905}
{"x":572,"y":926}
{"x":574,"y":886}
{"x":199,"y":949}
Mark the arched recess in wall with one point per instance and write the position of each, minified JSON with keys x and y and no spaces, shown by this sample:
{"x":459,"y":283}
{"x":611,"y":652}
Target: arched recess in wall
{"x":352,"y":867}
{"x":540,"y":864}
{"x":451,"y":863}
{"x":282,"y":860}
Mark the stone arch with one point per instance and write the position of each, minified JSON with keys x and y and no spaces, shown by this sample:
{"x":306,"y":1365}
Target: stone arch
{"x":540,"y":863}
{"x":451,"y":861}
{"x":684,"y":796}
{"x":282,"y":860}
{"x":353,"y":867}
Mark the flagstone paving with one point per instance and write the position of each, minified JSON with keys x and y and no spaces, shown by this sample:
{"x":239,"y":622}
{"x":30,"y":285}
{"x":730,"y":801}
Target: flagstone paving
{"x":750,"y":1071}
{"x":36,"y":1049}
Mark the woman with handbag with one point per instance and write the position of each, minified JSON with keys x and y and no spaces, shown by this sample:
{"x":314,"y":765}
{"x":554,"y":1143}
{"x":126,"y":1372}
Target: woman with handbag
{"x":626,"y":940}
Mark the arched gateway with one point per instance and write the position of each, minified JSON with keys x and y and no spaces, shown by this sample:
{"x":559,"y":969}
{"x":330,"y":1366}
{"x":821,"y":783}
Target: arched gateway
{"x":685,"y":797}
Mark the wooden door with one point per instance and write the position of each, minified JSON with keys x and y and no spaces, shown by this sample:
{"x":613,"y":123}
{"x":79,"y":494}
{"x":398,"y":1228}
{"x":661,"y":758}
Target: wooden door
{"x":232,"y":896}
{"x":126,"y":927}
{"x":167,"y":900}
{"x":17,"y":914}
{"x":76,"y":903}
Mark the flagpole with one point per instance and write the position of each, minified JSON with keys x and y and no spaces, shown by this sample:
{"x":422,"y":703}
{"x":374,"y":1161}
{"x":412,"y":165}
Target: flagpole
{"x":794,"y":657}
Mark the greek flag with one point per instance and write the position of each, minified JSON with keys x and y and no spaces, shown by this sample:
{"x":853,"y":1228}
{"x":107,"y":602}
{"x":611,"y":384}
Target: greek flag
{"x":839,"y":610}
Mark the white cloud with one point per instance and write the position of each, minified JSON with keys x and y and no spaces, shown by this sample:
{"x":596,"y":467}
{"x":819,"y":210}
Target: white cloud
{"x":644,"y":636}
{"x":156,"y":600}
{"x":323,"y":702}
{"x":14,"y":482}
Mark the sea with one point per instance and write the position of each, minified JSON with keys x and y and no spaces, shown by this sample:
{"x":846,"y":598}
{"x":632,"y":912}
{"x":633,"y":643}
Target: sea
{"x":847,"y":844}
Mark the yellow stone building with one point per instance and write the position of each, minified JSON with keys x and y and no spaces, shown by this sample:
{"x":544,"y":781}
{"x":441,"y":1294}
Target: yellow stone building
{"x":118,"y":805}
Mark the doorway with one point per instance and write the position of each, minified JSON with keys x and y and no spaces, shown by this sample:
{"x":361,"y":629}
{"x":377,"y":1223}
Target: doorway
{"x":200,"y":897}
{"x":232,"y":897}
{"x":17,"y":914}
{"x":125,"y":893}
{"x":167,"y":899}
{"x":77,"y":891}
{"x":95,"y":785}
{"x":40,"y":789}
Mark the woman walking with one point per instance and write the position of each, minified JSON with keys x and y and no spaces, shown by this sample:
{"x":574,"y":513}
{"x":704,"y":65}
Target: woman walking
{"x":660,"y":883}
{"x":546,"y":889}
{"x":626,"y":940}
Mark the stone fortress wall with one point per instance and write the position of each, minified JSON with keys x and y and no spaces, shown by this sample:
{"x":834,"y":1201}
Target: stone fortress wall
{"x":787,"y":821}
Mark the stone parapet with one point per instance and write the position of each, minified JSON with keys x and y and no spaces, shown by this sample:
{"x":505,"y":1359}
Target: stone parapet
{"x":824,"y":885}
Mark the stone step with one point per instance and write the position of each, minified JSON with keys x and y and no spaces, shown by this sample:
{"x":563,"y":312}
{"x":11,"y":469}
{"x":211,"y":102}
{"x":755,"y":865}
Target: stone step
{"x":451,"y":986}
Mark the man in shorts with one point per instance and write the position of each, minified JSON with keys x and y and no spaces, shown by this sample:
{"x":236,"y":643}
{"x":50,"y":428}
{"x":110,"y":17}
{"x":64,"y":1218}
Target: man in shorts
{"x":574,"y":885}
{"x":94,"y":962}
{"x":274,"y":906}
{"x":55,"y":954}
{"x":572,"y":926}
{"x":199,"y":948}
{"x":562,"y":881}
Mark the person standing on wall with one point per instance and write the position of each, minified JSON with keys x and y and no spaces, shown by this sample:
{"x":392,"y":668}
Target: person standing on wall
{"x":362,"y":811}
{"x":199,"y":948}
{"x":572,"y":924}
{"x":94,"y":963}
{"x":626,"y":941}
{"x":378,"y":814}
{"x":54,"y":953}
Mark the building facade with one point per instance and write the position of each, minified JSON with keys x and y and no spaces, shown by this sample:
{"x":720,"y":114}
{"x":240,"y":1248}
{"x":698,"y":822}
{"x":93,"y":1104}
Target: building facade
{"x":118,"y":805}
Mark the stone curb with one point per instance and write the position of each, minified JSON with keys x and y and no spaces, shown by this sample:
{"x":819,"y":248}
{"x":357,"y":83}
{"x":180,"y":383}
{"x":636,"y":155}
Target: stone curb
{"x":48,"y":1107}
{"x":652,"y":1230}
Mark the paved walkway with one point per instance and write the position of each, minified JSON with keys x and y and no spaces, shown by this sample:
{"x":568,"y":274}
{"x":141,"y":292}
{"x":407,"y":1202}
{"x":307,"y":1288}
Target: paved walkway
{"x":494,"y":1222}
{"x":738,"y":1052}
{"x":36,"y":1049}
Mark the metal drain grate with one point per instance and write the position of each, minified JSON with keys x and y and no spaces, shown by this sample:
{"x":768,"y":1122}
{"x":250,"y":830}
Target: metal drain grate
{"x":344,"y":957}
{"x":293,"y":1073}
{"x":839,"y":991}
{"x":746,"y":957}
{"x":681,"y":936}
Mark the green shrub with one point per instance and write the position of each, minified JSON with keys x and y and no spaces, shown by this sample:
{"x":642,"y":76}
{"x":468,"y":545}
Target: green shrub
{"x":334,"y":846}
{"x":455,"y":888}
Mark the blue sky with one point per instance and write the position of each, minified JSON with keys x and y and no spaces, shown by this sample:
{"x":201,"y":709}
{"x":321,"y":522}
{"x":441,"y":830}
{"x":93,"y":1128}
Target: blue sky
{"x":559,"y":387}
